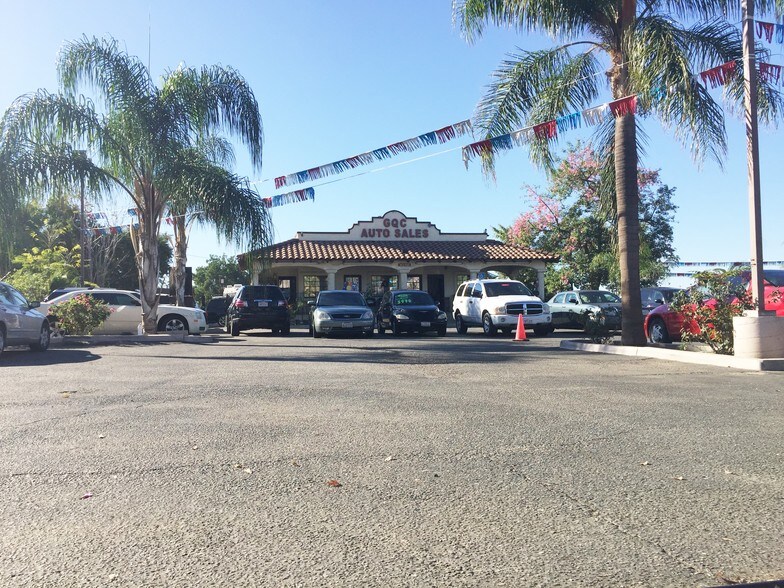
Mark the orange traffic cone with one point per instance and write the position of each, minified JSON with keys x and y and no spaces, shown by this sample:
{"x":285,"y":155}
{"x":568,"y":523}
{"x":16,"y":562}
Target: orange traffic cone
{"x":520,"y":334}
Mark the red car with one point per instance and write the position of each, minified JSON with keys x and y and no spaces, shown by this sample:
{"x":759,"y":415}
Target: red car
{"x":663,"y":325}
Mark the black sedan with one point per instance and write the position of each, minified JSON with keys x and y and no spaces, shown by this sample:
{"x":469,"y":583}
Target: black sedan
{"x":412,"y":311}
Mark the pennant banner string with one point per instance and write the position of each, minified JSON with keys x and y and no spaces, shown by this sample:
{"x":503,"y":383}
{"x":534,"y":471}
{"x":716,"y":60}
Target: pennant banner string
{"x":432,"y":138}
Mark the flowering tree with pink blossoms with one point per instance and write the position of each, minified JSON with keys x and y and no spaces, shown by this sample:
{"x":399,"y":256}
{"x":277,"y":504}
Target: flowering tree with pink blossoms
{"x":569,"y":219}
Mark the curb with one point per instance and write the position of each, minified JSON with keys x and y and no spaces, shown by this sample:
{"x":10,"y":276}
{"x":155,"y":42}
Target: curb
{"x":741,"y":363}
{"x":89,"y":340}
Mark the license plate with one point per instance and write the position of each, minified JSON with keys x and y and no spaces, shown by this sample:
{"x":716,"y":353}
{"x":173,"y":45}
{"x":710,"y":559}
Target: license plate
{"x":347,"y":325}
{"x":425,"y":324}
{"x":263,"y":303}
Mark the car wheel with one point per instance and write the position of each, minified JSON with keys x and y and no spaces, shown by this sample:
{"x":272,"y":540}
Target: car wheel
{"x":235,"y":328}
{"x":227,"y":324}
{"x":395,"y":329}
{"x":173,"y":323}
{"x":541,"y":331}
{"x":2,"y":339}
{"x":442,"y":332}
{"x":44,"y":337}
{"x":369,"y":334}
{"x":487,"y":325}
{"x":657,"y":331}
{"x":460,"y":325}
{"x":381,"y":330}
{"x":285,"y":330}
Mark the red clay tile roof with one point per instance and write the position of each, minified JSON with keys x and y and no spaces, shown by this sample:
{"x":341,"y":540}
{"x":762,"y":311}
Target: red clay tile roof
{"x":298,"y":250}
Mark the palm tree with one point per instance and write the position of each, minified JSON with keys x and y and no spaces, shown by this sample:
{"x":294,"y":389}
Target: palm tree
{"x":640,"y":50}
{"x":140,"y":142}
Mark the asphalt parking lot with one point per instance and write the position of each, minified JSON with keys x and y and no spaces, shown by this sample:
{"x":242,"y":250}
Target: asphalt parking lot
{"x":415,"y":461}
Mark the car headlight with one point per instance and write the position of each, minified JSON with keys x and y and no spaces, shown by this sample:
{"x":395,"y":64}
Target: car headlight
{"x":442,"y":316}
{"x":321,"y":315}
{"x":401,"y":317}
{"x":367,"y":315}
{"x":498,"y":310}
{"x":545,"y":308}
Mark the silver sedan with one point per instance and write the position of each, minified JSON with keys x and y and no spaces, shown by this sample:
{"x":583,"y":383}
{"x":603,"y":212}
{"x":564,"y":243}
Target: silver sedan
{"x":341,"y":312}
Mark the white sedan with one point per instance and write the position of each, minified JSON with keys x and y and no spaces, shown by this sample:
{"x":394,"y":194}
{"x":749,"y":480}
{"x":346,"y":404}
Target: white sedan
{"x":126,"y":314}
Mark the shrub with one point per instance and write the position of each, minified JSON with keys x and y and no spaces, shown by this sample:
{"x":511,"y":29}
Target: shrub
{"x":80,"y":315}
{"x":596,"y":328}
{"x":709,"y":306}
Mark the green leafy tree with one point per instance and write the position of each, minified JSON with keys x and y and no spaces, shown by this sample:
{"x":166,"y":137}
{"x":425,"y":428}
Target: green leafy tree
{"x":42,"y":270}
{"x":140,"y":143}
{"x":568,"y":220}
{"x":122,"y":272}
{"x":651,"y":49}
{"x":210,"y":279}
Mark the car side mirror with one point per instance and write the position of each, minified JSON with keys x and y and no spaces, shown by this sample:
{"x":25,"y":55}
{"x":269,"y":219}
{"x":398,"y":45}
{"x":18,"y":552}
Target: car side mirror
{"x":35,"y":304}
{"x":658,"y":301}
{"x":573,"y":301}
{"x":311,"y":303}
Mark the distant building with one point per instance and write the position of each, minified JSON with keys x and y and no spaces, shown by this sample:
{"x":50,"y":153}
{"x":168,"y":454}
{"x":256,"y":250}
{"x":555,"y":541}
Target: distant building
{"x":387,"y":252}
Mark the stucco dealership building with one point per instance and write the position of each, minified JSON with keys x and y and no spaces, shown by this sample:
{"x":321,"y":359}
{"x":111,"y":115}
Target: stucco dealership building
{"x":387,"y":252}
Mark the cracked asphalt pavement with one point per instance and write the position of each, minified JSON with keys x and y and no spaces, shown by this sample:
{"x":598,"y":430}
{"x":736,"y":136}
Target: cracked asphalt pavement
{"x":415,"y":461}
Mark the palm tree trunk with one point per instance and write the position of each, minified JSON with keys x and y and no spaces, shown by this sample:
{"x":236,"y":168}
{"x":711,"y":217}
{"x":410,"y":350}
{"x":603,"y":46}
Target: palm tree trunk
{"x":180,"y":258}
{"x":628,"y":221}
{"x":147,"y":262}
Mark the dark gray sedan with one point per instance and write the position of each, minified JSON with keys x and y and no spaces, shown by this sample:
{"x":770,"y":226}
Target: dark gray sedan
{"x":340,"y":312}
{"x":572,"y":310}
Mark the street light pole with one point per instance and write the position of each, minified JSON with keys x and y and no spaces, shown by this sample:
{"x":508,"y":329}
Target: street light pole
{"x":82,"y":223}
{"x":752,"y":152}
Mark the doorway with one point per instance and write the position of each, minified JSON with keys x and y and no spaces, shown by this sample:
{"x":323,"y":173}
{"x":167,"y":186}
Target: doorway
{"x":435,"y":287}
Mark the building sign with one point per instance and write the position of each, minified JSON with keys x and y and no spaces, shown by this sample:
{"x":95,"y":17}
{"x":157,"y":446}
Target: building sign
{"x":393,"y":226}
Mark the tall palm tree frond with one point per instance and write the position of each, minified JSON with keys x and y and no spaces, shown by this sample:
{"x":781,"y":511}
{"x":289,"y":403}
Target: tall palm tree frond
{"x":120,"y":79}
{"x":226,"y":201}
{"x":559,"y":19}
{"x":217,"y":99}
{"x":534,"y":87}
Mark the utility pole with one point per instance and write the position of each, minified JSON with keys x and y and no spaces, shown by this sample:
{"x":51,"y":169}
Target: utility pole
{"x":752,"y":153}
{"x":82,"y":222}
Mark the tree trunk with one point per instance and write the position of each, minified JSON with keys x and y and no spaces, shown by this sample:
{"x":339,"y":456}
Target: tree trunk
{"x":180,"y":258}
{"x":147,"y":262}
{"x":627,"y":198}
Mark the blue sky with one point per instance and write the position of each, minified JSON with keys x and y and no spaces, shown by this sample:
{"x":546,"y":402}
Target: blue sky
{"x":335,"y":79}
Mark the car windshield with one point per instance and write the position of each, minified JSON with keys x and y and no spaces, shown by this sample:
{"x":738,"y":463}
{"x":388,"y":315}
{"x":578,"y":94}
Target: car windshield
{"x":598,"y":297}
{"x":413,"y":299}
{"x":506,"y":289}
{"x":341,"y":299}
{"x":775,"y":277}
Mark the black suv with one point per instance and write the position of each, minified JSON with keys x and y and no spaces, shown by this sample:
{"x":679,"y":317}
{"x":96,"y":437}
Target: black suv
{"x":412,"y":311}
{"x":216,"y":309}
{"x":258,"y":307}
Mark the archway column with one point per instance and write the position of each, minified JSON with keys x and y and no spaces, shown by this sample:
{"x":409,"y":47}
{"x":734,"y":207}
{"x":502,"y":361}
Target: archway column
{"x":540,"y":282}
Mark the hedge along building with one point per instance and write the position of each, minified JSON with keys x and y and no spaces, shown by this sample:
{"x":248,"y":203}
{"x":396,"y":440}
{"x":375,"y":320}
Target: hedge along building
{"x":388,"y":252}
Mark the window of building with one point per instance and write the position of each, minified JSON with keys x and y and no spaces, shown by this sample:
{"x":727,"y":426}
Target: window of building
{"x":380,"y":284}
{"x":353,"y":283}
{"x":312,"y":285}
{"x":462,"y":278}
{"x":414,"y":283}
